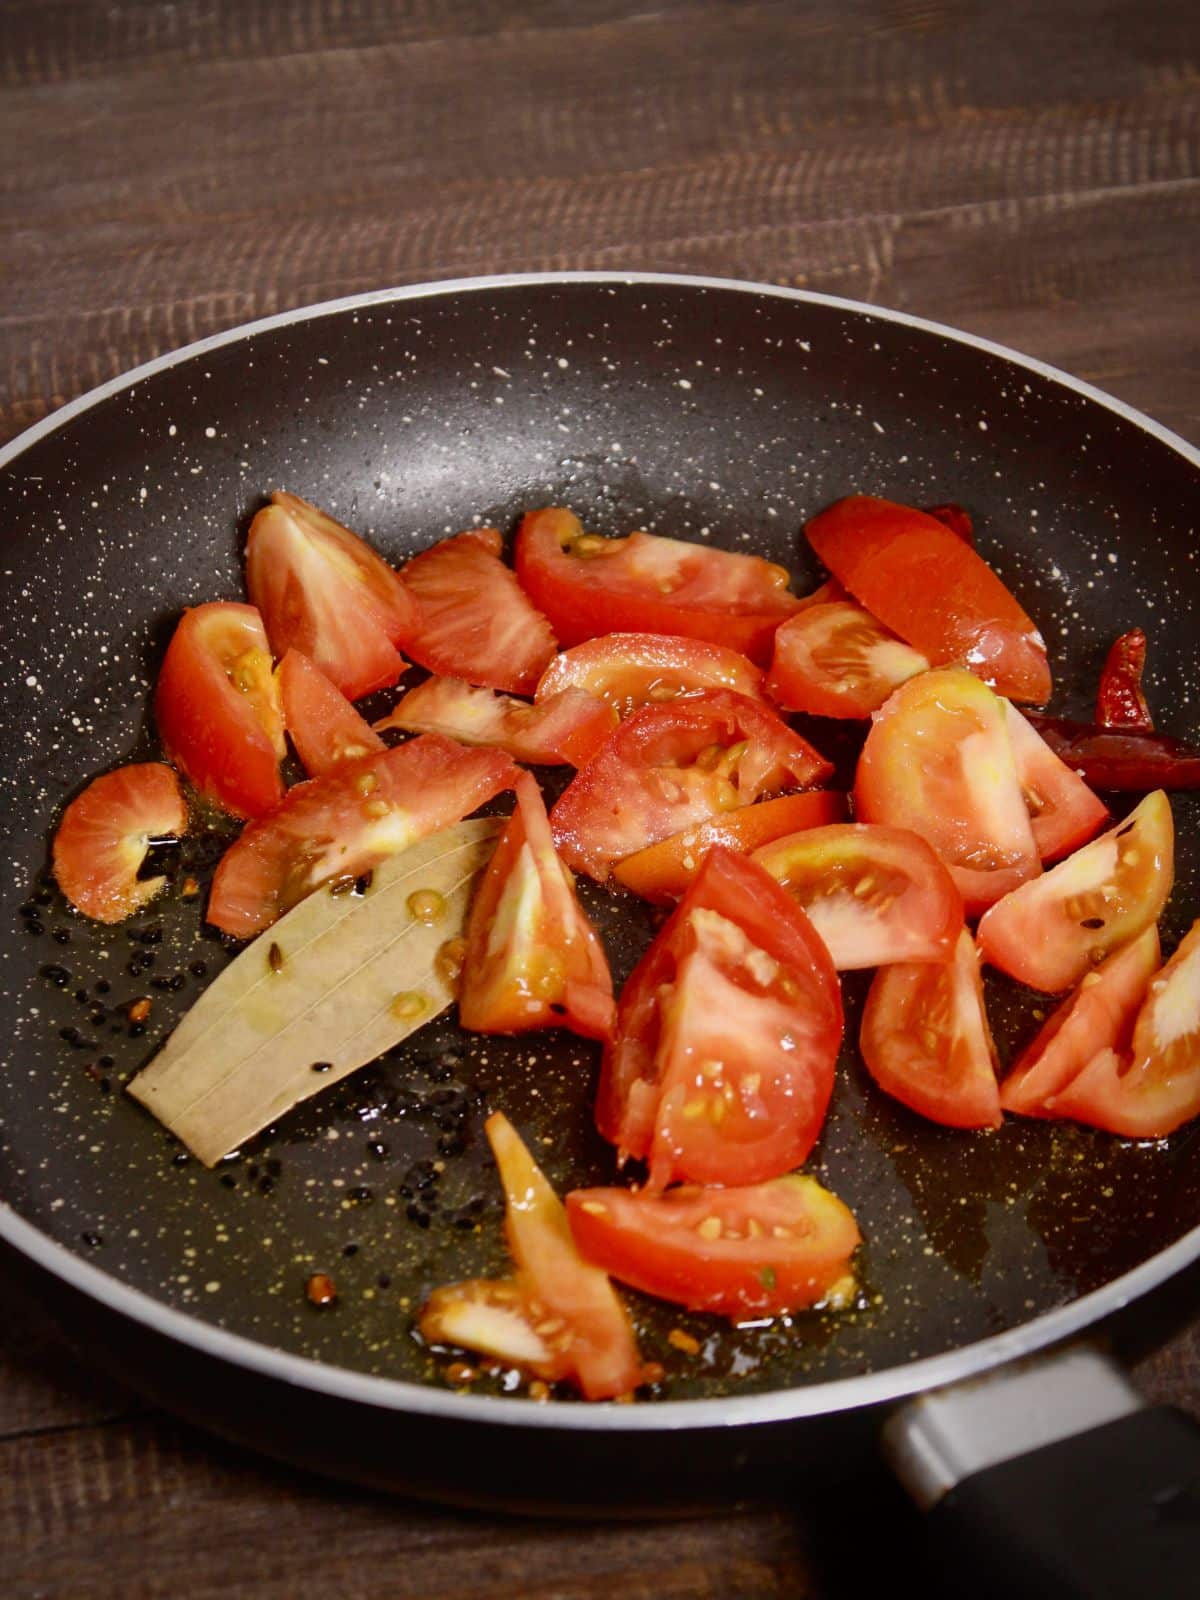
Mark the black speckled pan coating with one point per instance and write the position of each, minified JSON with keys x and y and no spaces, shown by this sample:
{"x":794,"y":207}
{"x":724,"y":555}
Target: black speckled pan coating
{"x":702,"y":412}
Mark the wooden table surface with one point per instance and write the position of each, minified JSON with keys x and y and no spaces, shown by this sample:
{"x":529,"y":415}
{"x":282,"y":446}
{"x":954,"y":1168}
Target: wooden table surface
{"x":1029,"y":171}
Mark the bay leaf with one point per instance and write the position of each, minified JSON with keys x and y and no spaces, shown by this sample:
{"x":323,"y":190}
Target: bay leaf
{"x":332,"y":985}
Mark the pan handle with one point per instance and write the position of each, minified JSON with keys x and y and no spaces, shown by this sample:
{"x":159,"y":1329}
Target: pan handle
{"x":1051,"y":1478}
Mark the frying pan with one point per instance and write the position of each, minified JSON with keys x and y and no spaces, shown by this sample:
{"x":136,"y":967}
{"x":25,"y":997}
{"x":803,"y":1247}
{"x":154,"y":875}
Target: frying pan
{"x":699,"y":408}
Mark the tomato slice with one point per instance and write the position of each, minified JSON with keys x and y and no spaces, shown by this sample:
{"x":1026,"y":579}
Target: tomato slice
{"x":1098,"y":1016}
{"x":105,"y":833}
{"x":1048,"y":933}
{"x":496,"y":1319}
{"x":1155,"y":1088}
{"x":473,"y":619}
{"x":566,"y":728}
{"x":533,"y":960}
{"x":939,"y":760}
{"x":321,"y":723}
{"x":925,"y":583}
{"x":838,"y":661}
{"x":663,"y":871}
{"x":745,"y":1252}
{"x":1063,"y":812}
{"x":874,"y":894}
{"x":588,"y":586}
{"x":217,"y":708}
{"x":672,"y":767}
{"x":338,"y":826}
{"x":629,"y":670}
{"x":326,"y":593}
{"x":925,"y":1039}
{"x":727,"y":1034}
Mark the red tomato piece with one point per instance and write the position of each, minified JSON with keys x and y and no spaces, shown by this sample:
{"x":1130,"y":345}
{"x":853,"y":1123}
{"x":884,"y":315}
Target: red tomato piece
{"x":338,"y":826}
{"x":588,"y":586}
{"x":629,"y":670}
{"x":322,"y":724}
{"x":217,"y":708}
{"x":741,"y":1253}
{"x":1051,"y":931}
{"x":1120,"y":702}
{"x":874,"y":894}
{"x":939,"y":760}
{"x":565,"y":729}
{"x":473,"y":619}
{"x":925,"y":1039}
{"x":105,"y":833}
{"x":495,"y":1318}
{"x":727,"y":1035}
{"x":663,"y":871}
{"x":672,"y":767}
{"x":838,"y":661}
{"x":326,"y":593}
{"x":533,"y":960}
{"x":928,"y":586}
{"x":1063,"y":812}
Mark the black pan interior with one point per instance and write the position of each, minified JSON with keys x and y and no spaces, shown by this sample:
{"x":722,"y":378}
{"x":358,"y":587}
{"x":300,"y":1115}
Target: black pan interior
{"x":697,"y":411}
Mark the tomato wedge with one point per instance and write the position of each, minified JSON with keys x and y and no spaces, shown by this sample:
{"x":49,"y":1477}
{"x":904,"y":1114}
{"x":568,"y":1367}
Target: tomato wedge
{"x":745,"y":1252}
{"x":588,"y":585}
{"x":925,"y":1039}
{"x":533,"y":960}
{"x":321,"y":723}
{"x":473,"y":619}
{"x":672,"y":767}
{"x":323,"y":591}
{"x":217,"y":708}
{"x":838,"y":661}
{"x":565,"y":729}
{"x":727,"y":1034}
{"x":105,"y":833}
{"x":338,"y":826}
{"x":874,"y":894}
{"x":629,"y":670}
{"x":663,"y":871}
{"x":925,"y":582}
{"x":1048,"y":933}
{"x":496,"y":1319}
{"x":939,"y":760}
{"x":1063,"y":812}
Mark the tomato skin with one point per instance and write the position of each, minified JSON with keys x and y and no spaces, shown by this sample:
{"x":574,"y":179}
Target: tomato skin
{"x":629,"y":670}
{"x":617,"y":586}
{"x":217,"y":708}
{"x":838,"y":661}
{"x":925,"y":1039}
{"x":925,"y":583}
{"x":1064,"y":813}
{"x":564,"y":729}
{"x":321,"y":723}
{"x":797,"y":1251}
{"x":1049,"y":932}
{"x":342,"y":824}
{"x":105,"y":833}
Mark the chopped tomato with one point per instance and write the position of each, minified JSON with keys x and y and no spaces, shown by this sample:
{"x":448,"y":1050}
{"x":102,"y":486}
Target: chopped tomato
{"x":1120,"y":702}
{"x":496,"y":1319}
{"x":1048,"y":933}
{"x":838,"y":661}
{"x":741,"y":1253}
{"x":939,"y":760}
{"x":1098,"y":1016}
{"x":105,"y":833}
{"x":566,"y":728}
{"x":533,"y":960}
{"x":672,"y":767}
{"x":473,"y":619}
{"x":727,"y":1035}
{"x":326,"y":593}
{"x":321,"y":723}
{"x":338,"y":826}
{"x":588,"y":585}
{"x":629,"y":670}
{"x":1063,"y":812}
{"x":925,"y":1039}
{"x":217,"y":708}
{"x":874,"y":894}
{"x":663,"y":871}
{"x":926,"y":584}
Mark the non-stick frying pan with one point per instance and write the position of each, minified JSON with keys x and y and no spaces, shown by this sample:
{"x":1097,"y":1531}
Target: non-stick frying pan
{"x":708,"y":410}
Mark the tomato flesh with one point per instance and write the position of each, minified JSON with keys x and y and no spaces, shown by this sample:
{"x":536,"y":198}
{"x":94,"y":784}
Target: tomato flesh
{"x":494,"y":1318}
{"x":1063,"y":812}
{"x":104,"y":835}
{"x":629,"y":670}
{"x":564,"y":729}
{"x":322,"y":724}
{"x":838,"y":661}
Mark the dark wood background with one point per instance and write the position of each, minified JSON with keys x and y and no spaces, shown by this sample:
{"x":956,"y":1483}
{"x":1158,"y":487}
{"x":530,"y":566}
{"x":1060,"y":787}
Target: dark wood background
{"x":1029,"y":170}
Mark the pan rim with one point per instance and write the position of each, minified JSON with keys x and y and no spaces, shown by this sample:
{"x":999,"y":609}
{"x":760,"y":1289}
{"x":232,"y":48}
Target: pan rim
{"x":392,"y":1394}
